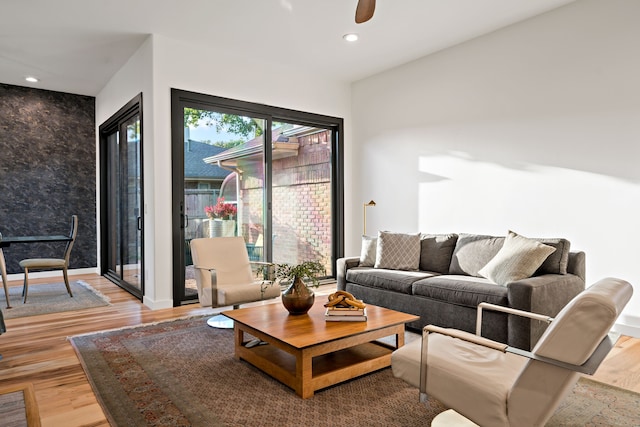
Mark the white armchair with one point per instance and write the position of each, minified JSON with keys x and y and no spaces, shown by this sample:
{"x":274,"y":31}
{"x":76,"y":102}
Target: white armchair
{"x":224,"y":276}
{"x":488,"y":383}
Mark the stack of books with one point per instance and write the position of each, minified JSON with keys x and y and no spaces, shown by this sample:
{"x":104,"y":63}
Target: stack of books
{"x":345,"y":314}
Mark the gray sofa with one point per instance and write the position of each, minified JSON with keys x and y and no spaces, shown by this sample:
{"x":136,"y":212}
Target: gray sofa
{"x":446,"y":286}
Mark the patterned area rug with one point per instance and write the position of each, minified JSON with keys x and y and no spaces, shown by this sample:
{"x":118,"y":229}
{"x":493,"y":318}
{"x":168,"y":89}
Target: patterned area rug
{"x":183,"y":373}
{"x":51,"y":298}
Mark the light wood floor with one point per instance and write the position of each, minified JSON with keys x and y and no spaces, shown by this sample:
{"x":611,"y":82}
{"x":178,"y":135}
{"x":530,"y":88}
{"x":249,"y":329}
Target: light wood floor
{"x":36,"y":350}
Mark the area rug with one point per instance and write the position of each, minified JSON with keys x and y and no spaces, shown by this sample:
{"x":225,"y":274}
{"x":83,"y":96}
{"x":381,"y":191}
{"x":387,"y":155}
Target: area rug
{"x":18,"y":406}
{"x":49,"y":298}
{"x":183,"y":373}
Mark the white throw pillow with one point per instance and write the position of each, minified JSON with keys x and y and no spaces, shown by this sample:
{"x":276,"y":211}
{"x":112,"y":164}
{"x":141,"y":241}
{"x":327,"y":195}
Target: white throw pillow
{"x":397,"y":251}
{"x":518,"y":259}
{"x":368,"y":252}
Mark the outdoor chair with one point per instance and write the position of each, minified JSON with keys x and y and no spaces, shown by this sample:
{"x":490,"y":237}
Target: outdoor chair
{"x":51,"y":263}
{"x":488,"y":383}
{"x":224,"y":275}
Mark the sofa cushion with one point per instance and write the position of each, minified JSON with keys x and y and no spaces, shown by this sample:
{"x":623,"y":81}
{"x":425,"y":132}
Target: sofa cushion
{"x":518,"y":259}
{"x":557,"y":262}
{"x":472,"y":252}
{"x":398,"y":251}
{"x":436,"y":251}
{"x":461,"y":290}
{"x":368,"y":251}
{"x":393,"y":280}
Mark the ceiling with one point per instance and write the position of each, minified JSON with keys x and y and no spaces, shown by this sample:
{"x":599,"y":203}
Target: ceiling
{"x":76,"y":46}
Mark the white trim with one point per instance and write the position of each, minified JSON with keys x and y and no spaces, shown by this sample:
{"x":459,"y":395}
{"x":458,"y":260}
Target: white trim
{"x":628,"y":330}
{"x":157,"y":305}
{"x":54,"y":273}
{"x":628,"y":325}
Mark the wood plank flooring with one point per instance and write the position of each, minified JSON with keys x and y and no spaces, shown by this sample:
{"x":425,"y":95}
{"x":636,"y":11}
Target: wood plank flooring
{"x":36,"y":350}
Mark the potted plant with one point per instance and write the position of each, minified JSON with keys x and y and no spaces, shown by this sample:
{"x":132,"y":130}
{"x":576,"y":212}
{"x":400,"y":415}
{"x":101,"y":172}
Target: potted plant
{"x":224,"y":213}
{"x":298,"y":298}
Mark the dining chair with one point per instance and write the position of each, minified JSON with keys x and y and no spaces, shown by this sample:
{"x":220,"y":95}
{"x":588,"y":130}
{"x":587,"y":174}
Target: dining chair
{"x":51,"y":263}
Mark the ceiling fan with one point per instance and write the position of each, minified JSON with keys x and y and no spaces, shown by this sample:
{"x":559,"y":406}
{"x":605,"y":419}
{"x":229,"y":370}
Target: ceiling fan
{"x":364,"y":10}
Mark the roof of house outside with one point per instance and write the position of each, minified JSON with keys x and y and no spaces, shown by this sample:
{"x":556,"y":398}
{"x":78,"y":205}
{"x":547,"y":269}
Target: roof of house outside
{"x":194,"y":166}
{"x":281,"y":139}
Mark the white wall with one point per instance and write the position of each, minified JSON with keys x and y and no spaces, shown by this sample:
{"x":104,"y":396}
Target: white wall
{"x":172,"y":64}
{"x":134,"y":77}
{"x":534,"y":128}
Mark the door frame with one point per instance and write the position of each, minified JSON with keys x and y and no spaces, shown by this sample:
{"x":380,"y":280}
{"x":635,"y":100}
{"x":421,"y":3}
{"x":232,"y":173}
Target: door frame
{"x":131,"y":108}
{"x":181,"y":99}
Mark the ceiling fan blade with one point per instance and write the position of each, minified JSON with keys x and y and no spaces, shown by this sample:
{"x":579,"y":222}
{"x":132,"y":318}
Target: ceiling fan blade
{"x":364,"y":10}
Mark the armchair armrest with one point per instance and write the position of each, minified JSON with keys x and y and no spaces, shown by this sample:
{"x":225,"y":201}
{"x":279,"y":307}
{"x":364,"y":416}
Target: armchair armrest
{"x":494,"y":307}
{"x":589,"y":367}
{"x":212,"y":277}
{"x":466,"y":336}
{"x":206,"y":281}
{"x":266,"y":268}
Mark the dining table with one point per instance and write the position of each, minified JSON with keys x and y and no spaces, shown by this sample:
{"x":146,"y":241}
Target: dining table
{"x":7,"y":241}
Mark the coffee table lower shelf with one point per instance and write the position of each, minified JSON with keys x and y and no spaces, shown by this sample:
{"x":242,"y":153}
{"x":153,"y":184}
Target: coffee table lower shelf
{"x":320,"y":366}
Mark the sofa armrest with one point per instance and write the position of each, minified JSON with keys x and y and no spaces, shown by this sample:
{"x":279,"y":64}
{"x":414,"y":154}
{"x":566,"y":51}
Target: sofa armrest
{"x":576,"y":265}
{"x":342,"y":265}
{"x":546,"y":294}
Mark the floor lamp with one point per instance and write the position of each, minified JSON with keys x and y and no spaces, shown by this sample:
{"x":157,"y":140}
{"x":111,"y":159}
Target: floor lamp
{"x":364,"y":216}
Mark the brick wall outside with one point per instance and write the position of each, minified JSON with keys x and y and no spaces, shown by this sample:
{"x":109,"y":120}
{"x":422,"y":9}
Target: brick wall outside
{"x":301,"y":203}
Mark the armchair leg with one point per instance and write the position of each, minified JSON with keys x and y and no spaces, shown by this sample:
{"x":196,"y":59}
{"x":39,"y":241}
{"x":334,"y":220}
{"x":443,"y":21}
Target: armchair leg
{"x":220,"y":321}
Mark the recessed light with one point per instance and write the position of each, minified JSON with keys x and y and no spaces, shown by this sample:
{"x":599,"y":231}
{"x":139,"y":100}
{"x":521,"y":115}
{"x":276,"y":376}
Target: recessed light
{"x":350,"y":37}
{"x":31,"y":79}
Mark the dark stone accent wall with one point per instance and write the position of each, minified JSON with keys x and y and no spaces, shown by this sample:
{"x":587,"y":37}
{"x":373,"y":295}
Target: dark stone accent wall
{"x":47,"y":172}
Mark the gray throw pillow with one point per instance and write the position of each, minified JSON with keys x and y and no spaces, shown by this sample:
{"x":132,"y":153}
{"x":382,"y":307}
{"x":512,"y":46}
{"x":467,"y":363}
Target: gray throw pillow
{"x":368,"y":251}
{"x":558,"y":261}
{"x":398,"y":251}
{"x":436,"y":251}
{"x":518,"y":259}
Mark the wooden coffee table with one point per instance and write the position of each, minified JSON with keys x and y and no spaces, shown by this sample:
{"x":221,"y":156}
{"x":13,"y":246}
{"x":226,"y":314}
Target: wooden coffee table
{"x":307,"y":353}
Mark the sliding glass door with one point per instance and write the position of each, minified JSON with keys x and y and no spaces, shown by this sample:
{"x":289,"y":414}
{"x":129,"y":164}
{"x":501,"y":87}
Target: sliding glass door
{"x":270,"y":175}
{"x":121,"y":198}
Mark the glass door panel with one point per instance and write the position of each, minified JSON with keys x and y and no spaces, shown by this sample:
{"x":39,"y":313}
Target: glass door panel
{"x":223,"y":183}
{"x":113,"y":209}
{"x":131,"y":205}
{"x":302,"y":194}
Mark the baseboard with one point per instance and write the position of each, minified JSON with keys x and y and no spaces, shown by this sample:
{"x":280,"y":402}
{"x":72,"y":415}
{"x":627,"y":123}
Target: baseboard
{"x":157,"y":305}
{"x":625,"y":328}
{"x":53,"y":273}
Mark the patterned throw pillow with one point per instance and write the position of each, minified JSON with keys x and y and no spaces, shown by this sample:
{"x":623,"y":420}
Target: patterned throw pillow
{"x":398,"y":251}
{"x":518,"y":259}
{"x":368,"y":252}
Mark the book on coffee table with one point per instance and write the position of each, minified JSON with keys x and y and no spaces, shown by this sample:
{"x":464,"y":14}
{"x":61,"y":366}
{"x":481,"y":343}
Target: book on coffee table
{"x":341,"y":311}
{"x":359,"y":315}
